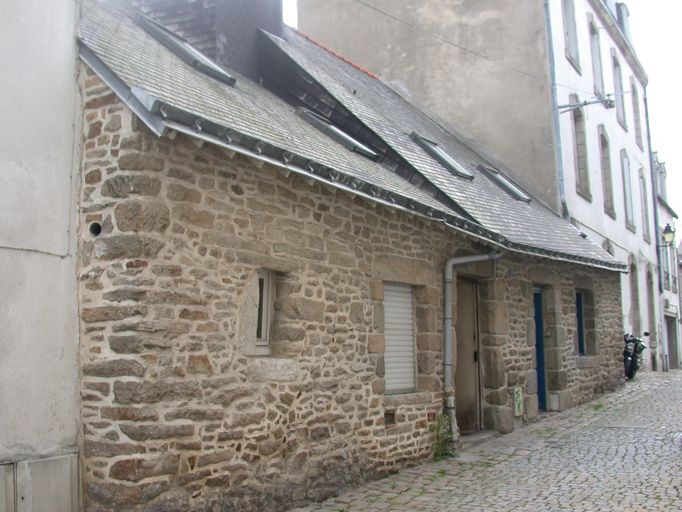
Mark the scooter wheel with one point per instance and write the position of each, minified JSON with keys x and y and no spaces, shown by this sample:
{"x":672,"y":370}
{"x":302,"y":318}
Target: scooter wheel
{"x":629,"y":369}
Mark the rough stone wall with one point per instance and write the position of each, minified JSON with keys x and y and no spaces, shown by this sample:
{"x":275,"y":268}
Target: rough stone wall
{"x":178,"y":413}
{"x":508,"y":336}
{"x":174,"y":405}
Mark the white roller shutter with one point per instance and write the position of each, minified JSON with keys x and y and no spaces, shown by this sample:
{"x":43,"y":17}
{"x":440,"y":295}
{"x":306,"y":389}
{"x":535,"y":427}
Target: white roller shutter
{"x":399,"y":334}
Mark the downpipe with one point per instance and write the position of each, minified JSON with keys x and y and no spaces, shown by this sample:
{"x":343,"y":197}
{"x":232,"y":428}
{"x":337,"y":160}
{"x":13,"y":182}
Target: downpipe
{"x":448,"y":384}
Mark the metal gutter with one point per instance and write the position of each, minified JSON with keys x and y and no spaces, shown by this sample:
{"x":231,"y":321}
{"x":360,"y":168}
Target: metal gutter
{"x":555,"y":115}
{"x":390,"y":199}
{"x":155,"y":115}
{"x":668,"y":208}
{"x":654,"y":194}
{"x":357,"y":187}
{"x":130,"y":98}
{"x":181,"y":128}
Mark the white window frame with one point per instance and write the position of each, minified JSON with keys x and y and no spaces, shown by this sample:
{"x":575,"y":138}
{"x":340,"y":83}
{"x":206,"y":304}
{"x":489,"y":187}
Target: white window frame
{"x":265,"y":311}
{"x":582,"y":170}
{"x":627,"y":190}
{"x":646,"y":229}
{"x":571,"y":33}
{"x":618,"y":92}
{"x":595,"y":50}
{"x":606,"y":171}
{"x":636,"y":113}
{"x":405,"y":389}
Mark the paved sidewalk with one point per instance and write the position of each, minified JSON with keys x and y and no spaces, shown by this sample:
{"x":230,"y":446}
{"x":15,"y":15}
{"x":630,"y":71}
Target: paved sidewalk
{"x":621,"y":452}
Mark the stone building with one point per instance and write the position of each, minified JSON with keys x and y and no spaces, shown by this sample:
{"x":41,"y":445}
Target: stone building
{"x":264,"y":317}
{"x":553,"y":89}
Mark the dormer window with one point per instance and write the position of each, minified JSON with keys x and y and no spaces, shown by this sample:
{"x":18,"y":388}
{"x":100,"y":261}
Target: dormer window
{"x":441,"y":156}
{"x":337,"y":133}
{"x":505,"y":183}
{"x":185,"y":51}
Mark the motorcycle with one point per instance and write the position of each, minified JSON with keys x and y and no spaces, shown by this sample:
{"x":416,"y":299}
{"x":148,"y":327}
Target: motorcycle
{"x":632,"y":354}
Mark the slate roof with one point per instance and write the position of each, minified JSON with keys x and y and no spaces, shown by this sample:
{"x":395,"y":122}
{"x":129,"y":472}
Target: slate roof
{"x":141,"y":61}
{"x":247,"y":108}
{"x":393,"y":118}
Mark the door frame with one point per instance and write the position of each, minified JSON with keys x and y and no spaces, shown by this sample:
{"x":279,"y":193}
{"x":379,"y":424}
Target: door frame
{"x":477,"y":350}
{"x":540,"y":361}
{"x":671,"y":323}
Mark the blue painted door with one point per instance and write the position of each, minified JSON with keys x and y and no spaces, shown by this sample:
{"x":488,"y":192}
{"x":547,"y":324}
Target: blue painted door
{"x":540,"y":351}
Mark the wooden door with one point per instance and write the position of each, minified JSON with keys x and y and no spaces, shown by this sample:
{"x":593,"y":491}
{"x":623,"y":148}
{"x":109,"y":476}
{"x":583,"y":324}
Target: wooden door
{"x":467,"y":375}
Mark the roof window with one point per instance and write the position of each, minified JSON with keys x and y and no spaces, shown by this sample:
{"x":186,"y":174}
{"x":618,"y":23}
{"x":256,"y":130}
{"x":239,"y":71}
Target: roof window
{"x":185,"y":51}
{"x":443,"y":158}
{"x":505,"y":183}
{"x":337,"y":134}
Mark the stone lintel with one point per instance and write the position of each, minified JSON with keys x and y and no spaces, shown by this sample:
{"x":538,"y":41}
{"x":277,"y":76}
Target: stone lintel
{"x":402,"y":270}
{"x":408,"y":399}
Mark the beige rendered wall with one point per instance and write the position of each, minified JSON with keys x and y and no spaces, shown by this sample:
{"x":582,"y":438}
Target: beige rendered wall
{"x":481,"y":65}
{"x":39,"y":405}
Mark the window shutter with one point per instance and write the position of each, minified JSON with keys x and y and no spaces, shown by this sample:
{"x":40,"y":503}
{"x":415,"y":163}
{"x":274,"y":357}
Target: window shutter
{"x":399,"y":334}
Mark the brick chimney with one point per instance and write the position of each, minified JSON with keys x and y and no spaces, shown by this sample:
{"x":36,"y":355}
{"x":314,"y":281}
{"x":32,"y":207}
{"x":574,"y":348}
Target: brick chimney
{"x":224,"y":30}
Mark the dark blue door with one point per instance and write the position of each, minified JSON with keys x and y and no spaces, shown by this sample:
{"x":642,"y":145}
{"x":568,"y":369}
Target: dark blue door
{"x":540,"y":351}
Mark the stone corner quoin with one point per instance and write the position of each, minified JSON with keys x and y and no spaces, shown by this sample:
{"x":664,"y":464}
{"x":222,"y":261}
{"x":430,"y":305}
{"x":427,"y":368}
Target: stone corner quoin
{"x":177,"y":410}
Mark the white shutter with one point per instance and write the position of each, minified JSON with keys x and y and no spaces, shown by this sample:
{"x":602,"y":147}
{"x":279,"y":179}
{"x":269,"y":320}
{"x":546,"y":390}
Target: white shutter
{"x":399,"y":334}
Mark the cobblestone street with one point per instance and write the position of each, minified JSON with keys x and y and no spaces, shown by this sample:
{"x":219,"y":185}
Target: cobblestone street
{"x":623,"y":452}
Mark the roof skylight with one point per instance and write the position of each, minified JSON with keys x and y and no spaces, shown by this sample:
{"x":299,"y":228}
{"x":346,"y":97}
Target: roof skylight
{"x":441,"y":156}
{"x":337,"y":134}
{"x":506,"y":184}
{"x":185,"y":51}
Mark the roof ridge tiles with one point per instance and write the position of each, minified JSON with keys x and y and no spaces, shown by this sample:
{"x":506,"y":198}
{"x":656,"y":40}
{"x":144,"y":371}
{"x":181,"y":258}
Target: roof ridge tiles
{"x":336,"y":54}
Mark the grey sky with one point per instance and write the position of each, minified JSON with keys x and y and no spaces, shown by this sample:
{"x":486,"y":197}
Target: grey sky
{"x":656,"y":32}
{"x":290,"y":13}
{"x":655,"y":27}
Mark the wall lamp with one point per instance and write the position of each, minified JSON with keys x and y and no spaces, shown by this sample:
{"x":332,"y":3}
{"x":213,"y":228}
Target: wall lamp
{"x":668,"y":236}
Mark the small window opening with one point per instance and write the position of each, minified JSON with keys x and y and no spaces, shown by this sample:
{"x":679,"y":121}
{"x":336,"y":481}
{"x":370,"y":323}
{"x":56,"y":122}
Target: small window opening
{"x":580,"y":317}
{"x":266,"y":296}
{"x":389,"y":419}
{"x":506,"y":184}
{"x":337,"y":134}
{"x":571,"y":33}
{"x":185,"y":51}
{"x":439,"y":154}
{"x":586,"y":344}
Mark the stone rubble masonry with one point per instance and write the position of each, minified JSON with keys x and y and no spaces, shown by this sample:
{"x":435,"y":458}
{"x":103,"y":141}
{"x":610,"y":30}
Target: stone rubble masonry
{"x":177,"y":412}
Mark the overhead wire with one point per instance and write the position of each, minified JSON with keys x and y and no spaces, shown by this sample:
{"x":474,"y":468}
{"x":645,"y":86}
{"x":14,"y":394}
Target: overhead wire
{"x":473,"y":52}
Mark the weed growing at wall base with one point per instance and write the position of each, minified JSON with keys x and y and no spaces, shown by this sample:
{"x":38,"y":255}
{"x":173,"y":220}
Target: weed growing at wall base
{"x":442,"y":442}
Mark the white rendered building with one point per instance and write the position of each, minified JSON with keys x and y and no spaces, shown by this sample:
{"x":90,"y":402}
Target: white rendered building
{"x":669,"y":351}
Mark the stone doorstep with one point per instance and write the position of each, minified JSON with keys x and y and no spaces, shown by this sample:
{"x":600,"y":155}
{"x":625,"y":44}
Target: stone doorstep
{"x":470,"y":441}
